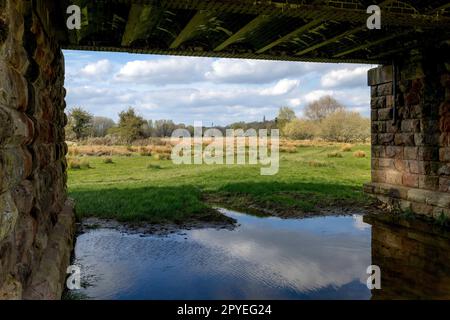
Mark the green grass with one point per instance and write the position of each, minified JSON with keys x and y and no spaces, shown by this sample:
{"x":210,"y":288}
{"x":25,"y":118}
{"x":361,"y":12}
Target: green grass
{"x":141,"y":188}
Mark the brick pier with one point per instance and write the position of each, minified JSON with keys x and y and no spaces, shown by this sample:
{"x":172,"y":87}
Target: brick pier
{"x":411,"y":134}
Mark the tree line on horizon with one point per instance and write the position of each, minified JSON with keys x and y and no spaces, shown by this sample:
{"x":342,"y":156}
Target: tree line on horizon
{"x":325,"y":118}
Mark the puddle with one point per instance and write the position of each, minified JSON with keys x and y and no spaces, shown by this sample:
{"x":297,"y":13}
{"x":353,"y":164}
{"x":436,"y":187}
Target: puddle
{"x":262,"y":258}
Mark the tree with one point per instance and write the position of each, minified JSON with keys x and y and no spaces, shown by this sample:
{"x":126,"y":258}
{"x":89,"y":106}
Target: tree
{"x":79,"y":123}
{"x":285,"y":115}
{"x":345,"y":126}
{"x":301,"y":129}
{"x":322,"y":108}
{"x":101,"y":125}
{"x":130,"y":125}
{"x":164,"y":128}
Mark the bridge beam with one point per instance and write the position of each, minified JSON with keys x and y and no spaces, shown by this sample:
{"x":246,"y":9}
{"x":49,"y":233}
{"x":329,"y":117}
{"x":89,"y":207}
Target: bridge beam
{"x":141,"y":21}
{"x":252,"y":25}
{"x":190,"y":29}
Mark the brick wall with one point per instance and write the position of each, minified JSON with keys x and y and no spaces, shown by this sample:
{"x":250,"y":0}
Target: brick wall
{"x":410,"y":139}
{"x":32,"y":155}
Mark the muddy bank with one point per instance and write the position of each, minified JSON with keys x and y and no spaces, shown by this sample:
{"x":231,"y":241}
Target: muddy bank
{"x":152,"y":228}
{"x":272,"y":209}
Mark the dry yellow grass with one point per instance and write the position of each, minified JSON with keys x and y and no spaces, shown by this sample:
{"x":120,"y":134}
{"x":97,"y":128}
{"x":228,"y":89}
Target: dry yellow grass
{"x":359,"y":154}
{"x":346,"y":148}
{"x":76,"y":163}
{"x":164,"y":147}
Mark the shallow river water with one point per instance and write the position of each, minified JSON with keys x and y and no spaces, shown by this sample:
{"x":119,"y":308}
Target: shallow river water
{"x":262,"y":258}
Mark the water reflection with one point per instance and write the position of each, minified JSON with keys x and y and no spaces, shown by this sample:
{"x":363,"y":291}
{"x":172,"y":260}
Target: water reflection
{"x":414,"y":258}
{"x":263,"y":258}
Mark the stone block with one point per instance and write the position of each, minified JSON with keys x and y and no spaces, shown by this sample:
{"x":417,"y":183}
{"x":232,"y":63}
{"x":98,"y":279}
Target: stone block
{"x":426,"y":139}
{"x":394,"y":152}
{"x":429,"y":153}
{"x":374,"y":164}
{"x":374,"y":139}
{"x":438,"y":199}
{"x":373,"y":91}
{"x":385,"y":138}
{"x":378,"y":103}
{"x":411,"y":153}
{"x":401,"y":165}
{"x":428,"y":167}
{"x":13,"y":88}
{"x":428,"y":182}
{"x":422,"y":208}
{"x":444,"y":184}
{"x":410,"y":126}
{"x":15,"y":127}
{"x":378,"y":151}
{"x":429,"y":126}
{"x":444,"y":139}
{"x":374,"y":115}
{"x":8,"y":215}
{"x":378,"y":176}
{"x":386,"y":163}
{"x":415,"y":112}
{"x":391,"y":127}
{"x":385,"y":114}
{"x":389,"y":101}
{"x":413,"y":166}
{"x":444,"y":154}
{"x":384,"y":89}
{"x":444,"y":170}
{"x":379,"y":75}
{"x":393,"y":177}
{"x":444,"y":108}
{"x":404,"y":139}
{"x":410,"y":180}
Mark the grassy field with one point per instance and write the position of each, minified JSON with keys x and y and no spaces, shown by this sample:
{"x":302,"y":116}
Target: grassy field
{"x":142,"y":187}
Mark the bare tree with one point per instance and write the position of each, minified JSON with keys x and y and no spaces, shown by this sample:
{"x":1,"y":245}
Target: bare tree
{"x":322,"y":108}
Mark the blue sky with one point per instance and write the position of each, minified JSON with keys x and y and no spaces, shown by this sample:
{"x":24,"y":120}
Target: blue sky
{"x":219,"y":91}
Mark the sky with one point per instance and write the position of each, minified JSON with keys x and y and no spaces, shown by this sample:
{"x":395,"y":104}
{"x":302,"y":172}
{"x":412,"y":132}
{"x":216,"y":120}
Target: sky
{"x":214,"y":91}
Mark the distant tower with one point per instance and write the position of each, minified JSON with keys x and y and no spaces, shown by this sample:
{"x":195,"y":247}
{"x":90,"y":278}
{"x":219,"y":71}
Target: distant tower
{"x":264,"y":119}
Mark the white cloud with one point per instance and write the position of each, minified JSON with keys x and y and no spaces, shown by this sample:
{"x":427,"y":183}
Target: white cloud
{"x":317,"y":94}
{"x":295,"y":102}
{"x":97,"y":69}
{"x":347,"y":77}
{"x":163,"y":71}
{"x":282,"y":87}
{"x":256,"y":71}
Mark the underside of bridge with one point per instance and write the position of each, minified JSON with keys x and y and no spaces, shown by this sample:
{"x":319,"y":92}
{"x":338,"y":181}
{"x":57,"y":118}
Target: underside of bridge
{"x":410,"y":98}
